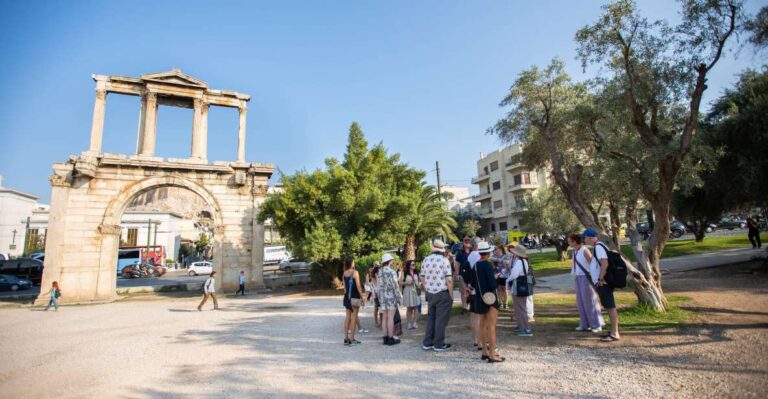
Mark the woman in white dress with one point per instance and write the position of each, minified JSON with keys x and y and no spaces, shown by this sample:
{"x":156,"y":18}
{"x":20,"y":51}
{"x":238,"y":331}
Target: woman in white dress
{"x":410,"y":282}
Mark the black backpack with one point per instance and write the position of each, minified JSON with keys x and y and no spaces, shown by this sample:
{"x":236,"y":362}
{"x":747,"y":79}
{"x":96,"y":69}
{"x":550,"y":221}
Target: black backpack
{"x":616,"y":275}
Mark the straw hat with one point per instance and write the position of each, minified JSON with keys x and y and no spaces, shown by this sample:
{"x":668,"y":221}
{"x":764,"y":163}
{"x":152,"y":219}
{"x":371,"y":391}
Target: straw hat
{"x":484,"y":248}
{"x":438,"y":245}
{"x":519,"y":251}
{"x":386,"y":258}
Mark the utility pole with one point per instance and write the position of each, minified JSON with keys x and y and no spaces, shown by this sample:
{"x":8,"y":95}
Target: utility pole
{"x":149,"y":238}
{"x":437,"y":170}
{"x":26,"y":238}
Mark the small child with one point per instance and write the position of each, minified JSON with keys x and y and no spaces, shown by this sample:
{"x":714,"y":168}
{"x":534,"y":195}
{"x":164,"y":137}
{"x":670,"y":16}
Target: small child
{"x":55,"y":295}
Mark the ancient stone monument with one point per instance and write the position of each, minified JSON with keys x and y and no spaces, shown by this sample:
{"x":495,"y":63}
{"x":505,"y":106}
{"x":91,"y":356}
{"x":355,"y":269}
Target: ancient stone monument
{"x":91,"y":191}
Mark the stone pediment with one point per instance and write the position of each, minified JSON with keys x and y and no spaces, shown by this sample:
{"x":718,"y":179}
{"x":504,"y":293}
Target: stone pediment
{"x":176,"y":77}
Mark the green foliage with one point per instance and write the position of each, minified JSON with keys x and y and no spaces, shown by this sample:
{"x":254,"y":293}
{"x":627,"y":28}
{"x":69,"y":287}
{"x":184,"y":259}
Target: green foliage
{"x":360,"y":206}
{"x":427,"y":219}
{"x":468,"y":222}
{"x":758,"y":28}
{"x":202,"y":243}
{"x":549,"y":213}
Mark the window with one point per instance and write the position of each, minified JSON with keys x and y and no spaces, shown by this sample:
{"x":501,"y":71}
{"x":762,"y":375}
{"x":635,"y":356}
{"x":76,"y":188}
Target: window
{"x":519,"y":200}
{"x":526,"y":178}
{"x":132,"y":234}
{"x":494,"y":165}
{"x":493,"y":227}
{"x":496,"y":185}
{"x":497,"y":204}
{"x":502,"y":226}
{"x":518,"y":180}
{"x":485,"y":169}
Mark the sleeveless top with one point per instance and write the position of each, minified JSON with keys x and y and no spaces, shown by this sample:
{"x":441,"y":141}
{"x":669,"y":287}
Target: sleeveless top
{"x":350,"y":288}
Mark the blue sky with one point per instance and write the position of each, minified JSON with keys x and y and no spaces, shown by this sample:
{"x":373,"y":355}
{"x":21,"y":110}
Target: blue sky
{"x":424,"y":78}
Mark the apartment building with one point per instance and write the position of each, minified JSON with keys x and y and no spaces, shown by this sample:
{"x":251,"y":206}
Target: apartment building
{"x":505,"y":187}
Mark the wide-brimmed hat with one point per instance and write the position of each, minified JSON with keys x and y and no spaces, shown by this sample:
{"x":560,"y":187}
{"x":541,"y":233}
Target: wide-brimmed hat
{"x":484,"y":248}
{"x":438,"y":245}
{"x":386,"y":258}
{"x":519,"y":251}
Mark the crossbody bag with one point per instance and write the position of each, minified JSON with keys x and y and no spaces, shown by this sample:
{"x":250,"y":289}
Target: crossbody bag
{"x":586,"y":272}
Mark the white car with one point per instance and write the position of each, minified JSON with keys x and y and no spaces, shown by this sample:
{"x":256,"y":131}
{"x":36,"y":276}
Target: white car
{"x":200,"y":268}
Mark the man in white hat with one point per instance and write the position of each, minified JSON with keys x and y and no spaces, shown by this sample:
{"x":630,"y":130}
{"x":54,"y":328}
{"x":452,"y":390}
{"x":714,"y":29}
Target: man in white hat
{"x":437,"y":280}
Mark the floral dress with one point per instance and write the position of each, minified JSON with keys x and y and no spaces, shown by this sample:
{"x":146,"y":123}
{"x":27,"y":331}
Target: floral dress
{"x":389,"y":291}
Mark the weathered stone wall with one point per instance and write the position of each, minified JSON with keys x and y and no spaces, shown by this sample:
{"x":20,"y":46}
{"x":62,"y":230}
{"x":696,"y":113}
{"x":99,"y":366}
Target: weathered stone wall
{"x":90,"y":194}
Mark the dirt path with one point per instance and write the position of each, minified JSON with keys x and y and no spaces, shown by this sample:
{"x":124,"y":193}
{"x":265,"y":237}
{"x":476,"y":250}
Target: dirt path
{"x":290,"y":346}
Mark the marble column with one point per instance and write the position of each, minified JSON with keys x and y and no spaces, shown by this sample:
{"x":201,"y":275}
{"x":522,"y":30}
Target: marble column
{"x":241,"y":136}
{"x":97,"y":124}
{"x":200,"y":130}
{"x":148,"y":136}
{"x":142,"y":123}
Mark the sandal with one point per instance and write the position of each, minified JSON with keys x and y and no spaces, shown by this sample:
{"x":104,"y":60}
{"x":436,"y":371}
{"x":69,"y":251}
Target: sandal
{"x":609,"y":338}
{"x":499,"y":360}
{"x":485,"y":357}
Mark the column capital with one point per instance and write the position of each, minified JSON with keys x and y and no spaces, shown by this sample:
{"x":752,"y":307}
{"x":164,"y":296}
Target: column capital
{"x":58,"y":181}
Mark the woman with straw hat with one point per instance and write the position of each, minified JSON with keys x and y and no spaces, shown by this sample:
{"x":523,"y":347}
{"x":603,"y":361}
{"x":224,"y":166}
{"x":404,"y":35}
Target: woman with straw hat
{"x":486,"y":302}
{"x":520,"y":268}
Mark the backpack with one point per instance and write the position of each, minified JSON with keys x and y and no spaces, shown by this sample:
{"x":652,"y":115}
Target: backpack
{"x":616,"y":275}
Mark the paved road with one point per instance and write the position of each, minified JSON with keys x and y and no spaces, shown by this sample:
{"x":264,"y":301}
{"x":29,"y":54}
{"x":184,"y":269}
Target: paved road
{"x":564,"y":282}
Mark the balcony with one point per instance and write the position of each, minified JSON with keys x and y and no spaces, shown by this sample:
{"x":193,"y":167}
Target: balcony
{"x":481,"y":197}
{"x":523,"y":186}
{"x":514,"y":162}
{"x":485,"y":213}
{"x":479,"y":178}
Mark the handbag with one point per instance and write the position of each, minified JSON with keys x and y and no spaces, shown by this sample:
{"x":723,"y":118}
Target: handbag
{"x":355,"y":302}
{"x":489,"y":298}
{"x":524,"y":283}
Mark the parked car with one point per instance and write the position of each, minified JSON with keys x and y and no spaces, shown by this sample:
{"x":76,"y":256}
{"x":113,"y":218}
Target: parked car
{"x":294,"y":265}
{"x":13,"y":283}
{"x":27,"y":268}
{"x":676,"y":229}
{"x":196,"y":268}
{"x":730,"y":223}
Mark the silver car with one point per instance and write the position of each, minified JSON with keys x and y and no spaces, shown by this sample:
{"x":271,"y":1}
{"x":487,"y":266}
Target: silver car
{"x":295,"y":265}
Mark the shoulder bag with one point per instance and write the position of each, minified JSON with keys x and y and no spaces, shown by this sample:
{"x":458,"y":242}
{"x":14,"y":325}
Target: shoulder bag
{"x":355,"y":302}
{"x":489,"y":298}
{"x":523,"y":284}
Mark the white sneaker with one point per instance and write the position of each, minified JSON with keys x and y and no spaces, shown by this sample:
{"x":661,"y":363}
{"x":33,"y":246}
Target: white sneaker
{"x":362,"y":330}
{"x":581,"y":329}
{"x":597,"y":330}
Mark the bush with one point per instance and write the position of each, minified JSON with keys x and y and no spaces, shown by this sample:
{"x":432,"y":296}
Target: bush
{"x":363,"y":263}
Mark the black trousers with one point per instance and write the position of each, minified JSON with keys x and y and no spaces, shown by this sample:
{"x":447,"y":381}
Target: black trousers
{"x":241,"y":289}
{"x":754,"y":238}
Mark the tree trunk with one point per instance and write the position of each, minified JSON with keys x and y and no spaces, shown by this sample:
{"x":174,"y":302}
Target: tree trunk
{"x":409,"y":251}
{"x":700,"y":229}
{"x":615,"y":223}
{"x":561,"y":249}
{"x":641,"y":275}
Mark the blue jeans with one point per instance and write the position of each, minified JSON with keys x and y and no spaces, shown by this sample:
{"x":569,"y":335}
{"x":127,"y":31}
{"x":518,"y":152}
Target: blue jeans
{"x":55,"y":302}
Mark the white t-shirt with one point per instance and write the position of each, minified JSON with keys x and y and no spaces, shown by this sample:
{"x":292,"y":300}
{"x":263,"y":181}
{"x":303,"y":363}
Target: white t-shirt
{"x":473,"y":258}
{"x":518,"y":269}
{"x":599,"y":253}
{"x":210,"y":286}
{"x":593,"y":267}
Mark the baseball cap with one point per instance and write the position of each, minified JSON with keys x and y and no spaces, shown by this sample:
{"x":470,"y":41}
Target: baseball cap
{"x":589,"y":233}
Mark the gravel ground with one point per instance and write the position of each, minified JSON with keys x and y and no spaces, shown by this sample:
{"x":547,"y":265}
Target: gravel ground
{"x":291,"y":346}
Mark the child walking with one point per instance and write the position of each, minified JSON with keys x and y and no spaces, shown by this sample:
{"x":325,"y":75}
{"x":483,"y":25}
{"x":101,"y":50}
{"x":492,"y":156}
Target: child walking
{"x":55,"y":295}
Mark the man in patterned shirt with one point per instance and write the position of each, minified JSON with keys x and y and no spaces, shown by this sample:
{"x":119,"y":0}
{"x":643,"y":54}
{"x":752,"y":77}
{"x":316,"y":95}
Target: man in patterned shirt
{"x":437,"y":280}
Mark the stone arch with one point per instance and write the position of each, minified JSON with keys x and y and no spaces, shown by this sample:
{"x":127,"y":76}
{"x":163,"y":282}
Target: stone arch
{"x":117,"y":206}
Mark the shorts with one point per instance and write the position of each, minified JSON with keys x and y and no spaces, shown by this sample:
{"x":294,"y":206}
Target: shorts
{"x":606,"y":296}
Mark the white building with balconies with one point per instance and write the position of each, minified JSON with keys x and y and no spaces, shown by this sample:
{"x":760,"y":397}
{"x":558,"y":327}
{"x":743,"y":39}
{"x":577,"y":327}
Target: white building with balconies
{"x":505,"y":187}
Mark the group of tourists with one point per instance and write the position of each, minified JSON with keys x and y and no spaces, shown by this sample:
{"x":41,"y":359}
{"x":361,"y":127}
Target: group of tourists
{"x":487,"y":278}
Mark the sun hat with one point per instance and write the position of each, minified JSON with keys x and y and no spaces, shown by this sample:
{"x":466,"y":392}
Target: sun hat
{"x":484,"y":248}
{"x":513,"y":244}
{"x":519,"y":251}
{"x":386,"y":258}
{"x":438,"y":245}
{"x":589,"y":233}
